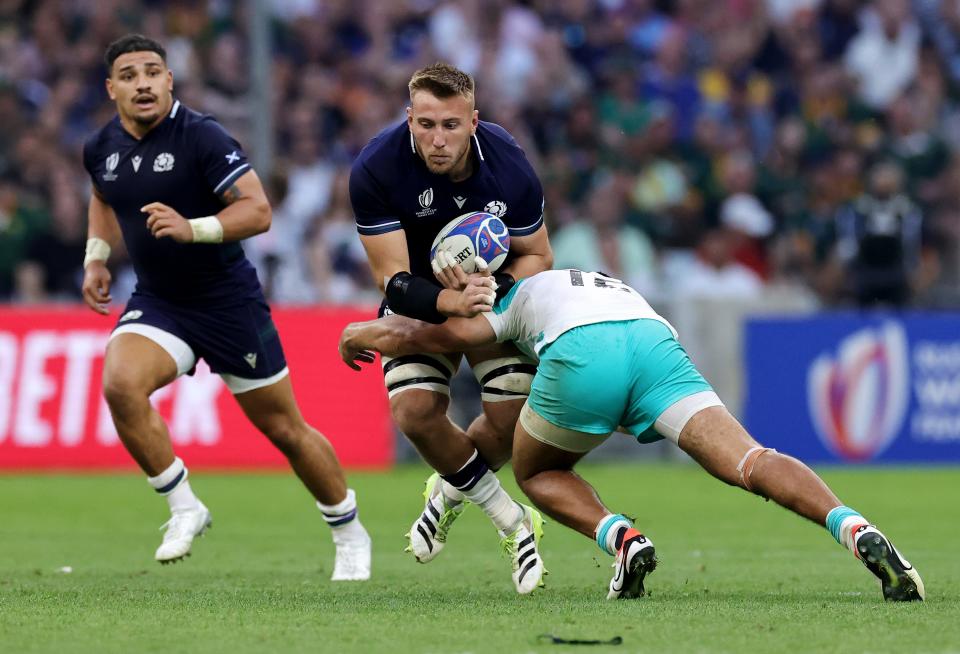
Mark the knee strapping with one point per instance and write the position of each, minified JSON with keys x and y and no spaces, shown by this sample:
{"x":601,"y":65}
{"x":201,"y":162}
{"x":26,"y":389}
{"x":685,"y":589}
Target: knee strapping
{"x":430,"y":372}
{"x":745,"y":467}
{"x":505,"y":378}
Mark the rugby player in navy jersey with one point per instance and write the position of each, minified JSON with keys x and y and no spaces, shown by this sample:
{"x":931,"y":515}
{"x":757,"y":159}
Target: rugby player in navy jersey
{"x":179,"y":191}
{"x":405,"y":186}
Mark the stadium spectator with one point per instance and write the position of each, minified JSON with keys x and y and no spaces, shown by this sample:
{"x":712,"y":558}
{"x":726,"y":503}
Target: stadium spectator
{"x":817,"y":91}
{"x":879,"y":239}
{"x":602,"y":240}
{"x":883,"y":56}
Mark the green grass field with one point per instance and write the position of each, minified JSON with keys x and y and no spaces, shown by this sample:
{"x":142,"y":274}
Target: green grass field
{"x":736,"y":574}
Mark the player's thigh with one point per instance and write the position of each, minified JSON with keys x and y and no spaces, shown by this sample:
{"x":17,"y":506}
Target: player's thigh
{"x":717,"y":441}
{"x":539,"y":445}
{"x":665,"y":387}
{"x":418,"y":386}
{"x":136,"y":364}
{"x":582,"y":381}
{"x":148,"y":348}
{"x":505,"y":375}
{"x":531,"y":456}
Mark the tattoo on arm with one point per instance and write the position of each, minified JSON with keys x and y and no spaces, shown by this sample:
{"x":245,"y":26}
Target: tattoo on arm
{"x":231,"y":195}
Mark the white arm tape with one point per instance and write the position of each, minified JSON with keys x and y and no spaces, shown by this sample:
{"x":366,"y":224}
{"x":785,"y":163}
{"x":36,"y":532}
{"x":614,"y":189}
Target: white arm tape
{"x":97,"y":250}
{"x":206,"y":230}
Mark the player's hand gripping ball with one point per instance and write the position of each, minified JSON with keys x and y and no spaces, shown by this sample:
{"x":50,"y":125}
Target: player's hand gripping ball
{"x":475,"y":234}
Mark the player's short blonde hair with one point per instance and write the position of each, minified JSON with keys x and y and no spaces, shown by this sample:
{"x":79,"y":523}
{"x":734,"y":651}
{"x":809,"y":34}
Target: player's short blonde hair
{"x":442,"y":81}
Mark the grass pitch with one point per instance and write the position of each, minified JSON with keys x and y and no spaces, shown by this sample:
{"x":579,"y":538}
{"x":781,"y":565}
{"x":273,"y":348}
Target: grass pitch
{"x":736,"y":574}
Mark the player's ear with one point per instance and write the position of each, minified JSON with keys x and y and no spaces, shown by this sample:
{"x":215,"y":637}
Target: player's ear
{"x":109,"y":85}
{"x":410,"y":116}
{"x":474,"y":121}
{"x":170,"y":80}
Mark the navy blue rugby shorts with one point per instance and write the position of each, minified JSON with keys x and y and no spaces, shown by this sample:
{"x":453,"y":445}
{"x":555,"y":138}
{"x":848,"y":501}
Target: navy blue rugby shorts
{"x":238,"y":342}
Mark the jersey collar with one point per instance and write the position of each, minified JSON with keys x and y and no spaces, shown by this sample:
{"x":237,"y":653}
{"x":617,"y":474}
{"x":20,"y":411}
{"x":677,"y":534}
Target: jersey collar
{"x":413,"y":146}
{"x":174,"y":110}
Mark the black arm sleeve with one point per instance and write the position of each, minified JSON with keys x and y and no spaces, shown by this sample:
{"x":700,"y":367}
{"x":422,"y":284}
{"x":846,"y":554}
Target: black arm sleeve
{"x":505,"y":282}
{"x":414,"y":297}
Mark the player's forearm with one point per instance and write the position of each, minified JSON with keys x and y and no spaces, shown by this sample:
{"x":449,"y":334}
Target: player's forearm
{"x":102,"y":223}
{"x":244,"y":218}
{"x":527,"y":265}
{"x":393,"y":336}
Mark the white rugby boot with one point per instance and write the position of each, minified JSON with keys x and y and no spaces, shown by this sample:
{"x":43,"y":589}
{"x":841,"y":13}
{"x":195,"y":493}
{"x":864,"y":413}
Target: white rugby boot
{"x":429,"y":532}
{"x":521,"y":546}
{"x":183,"y":526}
{"x":899,"y":581}
{"x":635,"y":560}
{"x":352,"y":561}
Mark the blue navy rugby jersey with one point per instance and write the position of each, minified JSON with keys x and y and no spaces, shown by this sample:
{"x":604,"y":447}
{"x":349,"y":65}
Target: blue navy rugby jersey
{"x":391,"y":188}
{"x":185,"y":162}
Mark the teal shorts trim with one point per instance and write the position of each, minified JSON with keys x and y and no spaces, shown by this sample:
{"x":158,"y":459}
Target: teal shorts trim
{"x":597,"y":377}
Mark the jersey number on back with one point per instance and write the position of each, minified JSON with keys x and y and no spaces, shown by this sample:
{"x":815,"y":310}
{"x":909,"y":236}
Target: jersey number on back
{"x":600,"y":281}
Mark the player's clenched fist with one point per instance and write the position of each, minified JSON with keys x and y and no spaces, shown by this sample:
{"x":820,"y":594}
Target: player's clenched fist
{"x":96,"y":286}
{"x":164,"y":221}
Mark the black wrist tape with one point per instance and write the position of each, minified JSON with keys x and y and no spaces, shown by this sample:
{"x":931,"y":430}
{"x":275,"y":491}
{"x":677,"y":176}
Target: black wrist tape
{"x":414,"y":297}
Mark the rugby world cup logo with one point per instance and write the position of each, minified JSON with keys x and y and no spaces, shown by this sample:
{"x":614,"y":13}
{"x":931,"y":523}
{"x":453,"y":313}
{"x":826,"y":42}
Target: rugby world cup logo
{"x":426,"y":198}
{"x":491,"y":238}
{"x":112,"y":161}
{"x":858,"y":398}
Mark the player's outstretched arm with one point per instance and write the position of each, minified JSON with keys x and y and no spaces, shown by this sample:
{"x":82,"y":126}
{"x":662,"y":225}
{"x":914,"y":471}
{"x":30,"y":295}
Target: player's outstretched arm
{"x":103,"y":234}
{"x":247,"y":214}
{"x":398,"y":335}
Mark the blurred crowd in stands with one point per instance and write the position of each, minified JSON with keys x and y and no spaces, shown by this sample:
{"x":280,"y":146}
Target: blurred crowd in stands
{"x":694,"y":148}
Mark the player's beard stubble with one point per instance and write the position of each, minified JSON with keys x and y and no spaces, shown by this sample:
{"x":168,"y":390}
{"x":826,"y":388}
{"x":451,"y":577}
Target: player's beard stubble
{"x":450,"y":164}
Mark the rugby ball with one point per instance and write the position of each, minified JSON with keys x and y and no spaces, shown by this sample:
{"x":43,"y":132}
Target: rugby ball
{"x":474,"y":234}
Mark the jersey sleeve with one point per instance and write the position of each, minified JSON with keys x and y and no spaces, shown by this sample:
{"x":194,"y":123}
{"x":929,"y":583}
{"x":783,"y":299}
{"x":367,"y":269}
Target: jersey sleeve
{"x":504,"y":317}
{"x":526,"y":216}
{"x":373,"y":215}
{"x":221,"y":158}
{"x":89,"y":154}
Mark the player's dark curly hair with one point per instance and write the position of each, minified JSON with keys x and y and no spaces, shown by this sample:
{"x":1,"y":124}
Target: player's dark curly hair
{"x":442,"y":81}
{"x":131,"y":43}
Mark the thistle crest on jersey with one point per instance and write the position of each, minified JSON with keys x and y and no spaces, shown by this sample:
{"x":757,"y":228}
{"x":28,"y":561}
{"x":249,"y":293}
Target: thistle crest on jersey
{"x":496,"y":207}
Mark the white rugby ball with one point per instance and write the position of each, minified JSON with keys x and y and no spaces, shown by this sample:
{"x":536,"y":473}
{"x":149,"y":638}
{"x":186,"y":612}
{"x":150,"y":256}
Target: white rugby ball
{"x":474,"y":234}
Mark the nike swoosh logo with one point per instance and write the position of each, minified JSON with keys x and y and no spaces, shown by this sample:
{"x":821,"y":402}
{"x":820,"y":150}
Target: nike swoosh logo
{"x":618,"y":577}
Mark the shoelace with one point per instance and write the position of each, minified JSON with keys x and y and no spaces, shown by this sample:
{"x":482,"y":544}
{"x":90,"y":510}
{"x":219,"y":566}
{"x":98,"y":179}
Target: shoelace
{"x":508,"y":546}
{"x":446,"y":519}
{"x":177,"y":526}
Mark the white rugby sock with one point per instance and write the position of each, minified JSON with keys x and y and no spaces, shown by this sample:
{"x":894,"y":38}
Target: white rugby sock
{"x":343,"y":518}
{"x":172,"y":483}
{"x":479,"y":485}
{"x":451,"y":496}
{"x":843,"y":523}
{"x":609,"y":532}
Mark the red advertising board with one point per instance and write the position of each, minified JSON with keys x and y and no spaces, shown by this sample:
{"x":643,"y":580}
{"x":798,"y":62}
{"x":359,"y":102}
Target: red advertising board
{"x":52,"y":412}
